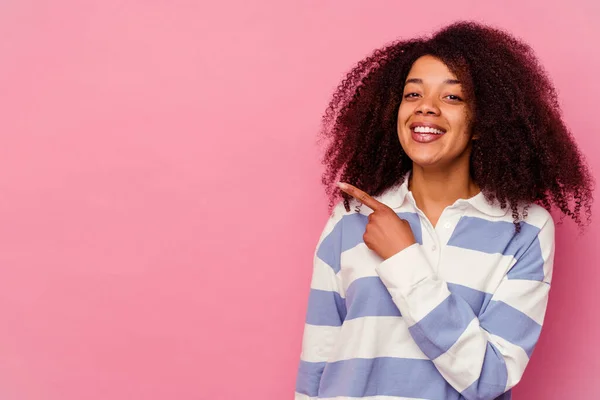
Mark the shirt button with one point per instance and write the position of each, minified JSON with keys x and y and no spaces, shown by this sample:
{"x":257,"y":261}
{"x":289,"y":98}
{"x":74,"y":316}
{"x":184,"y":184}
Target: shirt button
{"x":447,"y":225}
{"x":433,"y":248}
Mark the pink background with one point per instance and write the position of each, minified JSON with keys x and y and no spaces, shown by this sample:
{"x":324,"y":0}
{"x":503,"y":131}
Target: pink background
{"x":160,"y":192}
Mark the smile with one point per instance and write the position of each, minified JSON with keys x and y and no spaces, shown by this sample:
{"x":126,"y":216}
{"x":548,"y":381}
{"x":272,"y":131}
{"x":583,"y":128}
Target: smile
{"x":426,"y":133}
{"x":427,"y":129}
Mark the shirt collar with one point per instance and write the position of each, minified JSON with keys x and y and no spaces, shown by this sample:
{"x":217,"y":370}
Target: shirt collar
{"x":395,"y":196}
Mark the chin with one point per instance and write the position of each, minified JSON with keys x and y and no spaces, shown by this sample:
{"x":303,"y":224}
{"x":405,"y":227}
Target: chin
{"x":426,"y":163}
{"x":424,"y":159}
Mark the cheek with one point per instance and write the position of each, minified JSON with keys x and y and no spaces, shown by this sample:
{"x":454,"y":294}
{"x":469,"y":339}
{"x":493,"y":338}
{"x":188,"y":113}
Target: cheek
{"x":459,"y":119}
{"x":404,"y":112}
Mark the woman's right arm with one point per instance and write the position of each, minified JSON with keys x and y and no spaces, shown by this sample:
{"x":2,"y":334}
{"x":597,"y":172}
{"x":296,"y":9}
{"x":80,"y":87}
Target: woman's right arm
{"x":326,"y":309}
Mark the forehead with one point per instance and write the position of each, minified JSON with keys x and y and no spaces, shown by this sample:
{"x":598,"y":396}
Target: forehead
{"x":430,"y":70}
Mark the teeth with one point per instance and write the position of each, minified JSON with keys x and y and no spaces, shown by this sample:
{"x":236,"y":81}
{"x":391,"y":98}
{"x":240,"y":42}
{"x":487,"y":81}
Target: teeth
{"x":426,"y":129}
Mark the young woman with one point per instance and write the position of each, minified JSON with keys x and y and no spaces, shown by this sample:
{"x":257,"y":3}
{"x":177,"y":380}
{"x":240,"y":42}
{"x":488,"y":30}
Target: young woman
{"x":451,"y":151}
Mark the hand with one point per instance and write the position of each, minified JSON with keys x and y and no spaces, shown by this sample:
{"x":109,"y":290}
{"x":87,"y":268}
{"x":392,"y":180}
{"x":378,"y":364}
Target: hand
{"x":386,"y":233}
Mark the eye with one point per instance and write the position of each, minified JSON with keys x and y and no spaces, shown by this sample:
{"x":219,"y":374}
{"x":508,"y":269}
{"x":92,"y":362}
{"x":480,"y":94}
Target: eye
{"x":453,"y":97}
{"x":411,"y":95}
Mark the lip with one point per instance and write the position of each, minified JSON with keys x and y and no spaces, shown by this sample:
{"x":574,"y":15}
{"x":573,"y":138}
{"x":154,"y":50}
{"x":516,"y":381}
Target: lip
{"x":426,"y":124}
{"x":424,"y":137}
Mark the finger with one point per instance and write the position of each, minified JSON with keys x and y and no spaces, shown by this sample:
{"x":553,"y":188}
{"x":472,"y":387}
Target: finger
{"x":360,"y":196}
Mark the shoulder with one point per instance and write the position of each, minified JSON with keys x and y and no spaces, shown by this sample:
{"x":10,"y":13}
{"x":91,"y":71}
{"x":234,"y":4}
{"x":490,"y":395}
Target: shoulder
{"x":341,"y":222}
{"x":539,"y":217}
{"x":542,"y":219}
{"x":532,"y":216}
{"x":341,"y":232}
{"x":537,"y":235}
{"x":537,"y":254}
{"x":356,"y":209}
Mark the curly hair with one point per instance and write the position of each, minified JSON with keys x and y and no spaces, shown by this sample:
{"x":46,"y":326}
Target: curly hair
{"x":524,"y":153}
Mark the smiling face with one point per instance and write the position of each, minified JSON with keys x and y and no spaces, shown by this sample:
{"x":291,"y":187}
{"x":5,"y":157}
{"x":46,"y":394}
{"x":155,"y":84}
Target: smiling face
{"x":434,"y":117}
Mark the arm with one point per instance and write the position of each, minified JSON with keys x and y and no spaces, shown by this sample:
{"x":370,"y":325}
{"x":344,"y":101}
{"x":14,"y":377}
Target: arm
{"x":326,"y":310}
{"x":481,"y":357}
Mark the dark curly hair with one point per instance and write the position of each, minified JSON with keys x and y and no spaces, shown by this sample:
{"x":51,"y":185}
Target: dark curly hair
{"x":524,"y":153}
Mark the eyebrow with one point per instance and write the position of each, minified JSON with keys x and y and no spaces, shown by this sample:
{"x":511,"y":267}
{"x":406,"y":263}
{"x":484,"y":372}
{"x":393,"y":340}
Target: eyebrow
{"x":420,"y":81}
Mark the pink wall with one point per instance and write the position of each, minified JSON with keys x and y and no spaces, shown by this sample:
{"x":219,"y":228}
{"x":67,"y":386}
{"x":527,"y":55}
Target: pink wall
{"x":160,"y":197}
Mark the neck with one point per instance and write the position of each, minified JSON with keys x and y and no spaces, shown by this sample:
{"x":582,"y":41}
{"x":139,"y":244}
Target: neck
{"x":435,"y":189}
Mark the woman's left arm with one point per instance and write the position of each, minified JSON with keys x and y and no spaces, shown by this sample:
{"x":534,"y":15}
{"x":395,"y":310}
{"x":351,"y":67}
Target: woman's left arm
{"x":480,"y":356}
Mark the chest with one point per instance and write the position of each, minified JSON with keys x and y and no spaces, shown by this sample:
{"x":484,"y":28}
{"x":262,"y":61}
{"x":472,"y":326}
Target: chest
{"x":472,"y":255}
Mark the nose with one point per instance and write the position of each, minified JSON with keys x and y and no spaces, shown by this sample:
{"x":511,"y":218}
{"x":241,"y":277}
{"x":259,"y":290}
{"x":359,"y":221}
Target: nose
{"x":427,"y":106}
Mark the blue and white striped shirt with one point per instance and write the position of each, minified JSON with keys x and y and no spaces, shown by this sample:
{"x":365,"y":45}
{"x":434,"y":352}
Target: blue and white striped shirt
{"x":454,"y":316}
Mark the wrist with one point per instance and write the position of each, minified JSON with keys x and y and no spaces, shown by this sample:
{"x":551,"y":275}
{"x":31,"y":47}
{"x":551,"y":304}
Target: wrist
{"x":398,"y":249}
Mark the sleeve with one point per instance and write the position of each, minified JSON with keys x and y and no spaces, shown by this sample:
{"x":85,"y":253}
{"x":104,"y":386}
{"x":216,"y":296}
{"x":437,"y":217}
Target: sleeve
{"x":480,"y":356}
{"x":325,"y":312}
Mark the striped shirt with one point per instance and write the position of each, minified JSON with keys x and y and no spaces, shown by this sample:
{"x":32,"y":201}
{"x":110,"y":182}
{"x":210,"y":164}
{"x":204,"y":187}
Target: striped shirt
{"x":454,"y":316}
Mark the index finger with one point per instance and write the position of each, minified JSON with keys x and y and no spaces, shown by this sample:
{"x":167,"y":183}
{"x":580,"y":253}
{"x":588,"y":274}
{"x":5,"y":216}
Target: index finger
{"x":360,"y":196}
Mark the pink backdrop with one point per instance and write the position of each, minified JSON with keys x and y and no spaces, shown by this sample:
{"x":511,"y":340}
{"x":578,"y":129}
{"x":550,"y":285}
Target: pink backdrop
{"x":160,"y":192}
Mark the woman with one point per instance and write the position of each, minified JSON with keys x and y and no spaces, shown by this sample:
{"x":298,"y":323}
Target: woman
{"x":452,"y":151}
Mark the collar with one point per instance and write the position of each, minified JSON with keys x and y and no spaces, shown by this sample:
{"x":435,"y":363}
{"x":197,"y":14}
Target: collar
{"x":395,"y":197}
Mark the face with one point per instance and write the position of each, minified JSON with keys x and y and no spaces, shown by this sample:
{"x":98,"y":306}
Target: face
{"x":434,"y":116}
